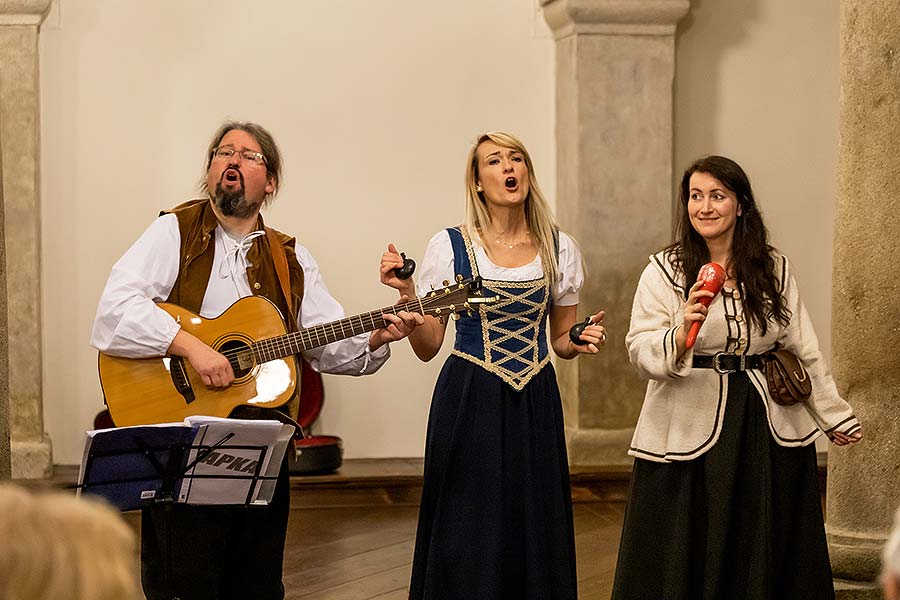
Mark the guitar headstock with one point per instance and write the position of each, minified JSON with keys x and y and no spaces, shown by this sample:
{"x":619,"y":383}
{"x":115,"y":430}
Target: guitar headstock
{"x":454,"y":298}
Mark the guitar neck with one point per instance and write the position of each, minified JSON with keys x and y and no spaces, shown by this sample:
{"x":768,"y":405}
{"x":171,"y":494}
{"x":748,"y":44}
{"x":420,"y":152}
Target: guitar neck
{"x":320,"y":335}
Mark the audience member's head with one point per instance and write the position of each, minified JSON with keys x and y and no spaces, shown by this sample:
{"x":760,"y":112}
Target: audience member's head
{"x":54,"y":545}
{"x":890,"y":573}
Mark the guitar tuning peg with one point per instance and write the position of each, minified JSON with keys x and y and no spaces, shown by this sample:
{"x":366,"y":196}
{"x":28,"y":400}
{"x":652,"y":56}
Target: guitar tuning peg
{"x":469,"y":313}
{"x":446,"y":283}
{"x":454,"y":316}
{"x":442,"y":319}
{"x":459,"y":278}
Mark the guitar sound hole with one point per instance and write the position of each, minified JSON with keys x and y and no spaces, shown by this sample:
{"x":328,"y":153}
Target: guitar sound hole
{"x":240,"y":356}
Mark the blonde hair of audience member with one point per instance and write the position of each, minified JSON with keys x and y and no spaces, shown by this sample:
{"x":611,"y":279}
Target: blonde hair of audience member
{"x":54,"y":545}
{"x":890,"y":572}
{"x":540,"y":220}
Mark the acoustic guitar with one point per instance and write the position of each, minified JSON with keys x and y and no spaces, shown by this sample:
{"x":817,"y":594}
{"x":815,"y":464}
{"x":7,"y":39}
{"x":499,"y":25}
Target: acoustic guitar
{"x":252,"y":335}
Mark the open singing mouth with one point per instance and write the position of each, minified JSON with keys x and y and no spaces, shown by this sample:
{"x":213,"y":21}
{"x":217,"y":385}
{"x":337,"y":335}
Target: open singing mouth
{"x":233,"y":175}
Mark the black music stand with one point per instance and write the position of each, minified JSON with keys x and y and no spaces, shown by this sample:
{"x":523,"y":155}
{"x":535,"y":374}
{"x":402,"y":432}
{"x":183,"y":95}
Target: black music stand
{"x":137,"y":467}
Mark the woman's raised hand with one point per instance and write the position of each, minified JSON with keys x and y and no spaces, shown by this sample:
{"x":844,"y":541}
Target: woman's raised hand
{"x":390,"y":262}
{"x":693,"y":309}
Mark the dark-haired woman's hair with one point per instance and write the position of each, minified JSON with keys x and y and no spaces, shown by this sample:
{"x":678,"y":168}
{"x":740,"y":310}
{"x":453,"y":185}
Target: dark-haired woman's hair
{"x":752,"y":264}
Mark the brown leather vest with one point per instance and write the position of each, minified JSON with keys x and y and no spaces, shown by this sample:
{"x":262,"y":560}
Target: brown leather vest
{"x":197,"y":223}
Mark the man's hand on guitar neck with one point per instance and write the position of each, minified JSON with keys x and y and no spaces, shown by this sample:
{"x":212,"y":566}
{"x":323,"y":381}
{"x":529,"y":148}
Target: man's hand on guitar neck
{"x":212,"y":366}
{"x":401,"y":325}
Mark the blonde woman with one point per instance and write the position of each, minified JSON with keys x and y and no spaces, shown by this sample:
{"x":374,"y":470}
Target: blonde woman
{"x":54,"y":545}
{"x":496,"y":517}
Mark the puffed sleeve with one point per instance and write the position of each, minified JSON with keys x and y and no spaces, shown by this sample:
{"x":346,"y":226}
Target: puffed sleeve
{"x":825,"y":405}
{"x":436,"y":265}
{"x":128,"y":322}
{"x":651,"y":336}
{"x":350,"y":356}
{"x":570,"y":274}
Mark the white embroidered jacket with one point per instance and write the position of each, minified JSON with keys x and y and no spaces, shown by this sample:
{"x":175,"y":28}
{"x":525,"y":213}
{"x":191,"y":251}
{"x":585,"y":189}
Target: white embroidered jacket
{"x":681,"y":417}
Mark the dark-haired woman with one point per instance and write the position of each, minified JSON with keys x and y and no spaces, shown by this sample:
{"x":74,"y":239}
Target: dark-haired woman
{"x":724,"y":499}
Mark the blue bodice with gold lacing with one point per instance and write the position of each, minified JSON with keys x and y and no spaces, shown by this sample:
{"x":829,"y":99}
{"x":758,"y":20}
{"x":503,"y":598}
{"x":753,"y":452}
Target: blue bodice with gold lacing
{"x":508,"y":337}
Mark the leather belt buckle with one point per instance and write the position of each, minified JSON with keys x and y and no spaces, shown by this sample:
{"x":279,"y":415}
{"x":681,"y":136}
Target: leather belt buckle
{"x":717,"y":365}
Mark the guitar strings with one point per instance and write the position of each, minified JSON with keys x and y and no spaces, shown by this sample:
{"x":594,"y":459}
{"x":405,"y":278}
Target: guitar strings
{"x":254,"y":347}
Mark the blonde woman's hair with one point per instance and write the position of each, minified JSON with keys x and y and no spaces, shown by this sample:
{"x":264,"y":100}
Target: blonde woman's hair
{"x":54,"y":545}
{"x":538,"y":215}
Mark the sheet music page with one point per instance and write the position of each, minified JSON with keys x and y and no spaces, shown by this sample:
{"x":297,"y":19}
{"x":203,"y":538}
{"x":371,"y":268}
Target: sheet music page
{"x":266,"y":487}
{"x":227,"y":454}
{"x":89,"y":438}
{"x":126,"y":465}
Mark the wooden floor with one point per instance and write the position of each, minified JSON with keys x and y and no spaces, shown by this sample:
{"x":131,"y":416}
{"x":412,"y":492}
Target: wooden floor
{"x":358,"y":553}
{"x":351,"y":535}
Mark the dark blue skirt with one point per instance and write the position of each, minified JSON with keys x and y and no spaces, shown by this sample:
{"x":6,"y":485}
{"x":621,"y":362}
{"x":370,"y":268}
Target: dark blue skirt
{"x":743,"y":520}
{"x":496,"y":515}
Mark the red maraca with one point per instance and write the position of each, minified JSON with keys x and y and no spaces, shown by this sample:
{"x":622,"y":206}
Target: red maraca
{"x":713,"y":277}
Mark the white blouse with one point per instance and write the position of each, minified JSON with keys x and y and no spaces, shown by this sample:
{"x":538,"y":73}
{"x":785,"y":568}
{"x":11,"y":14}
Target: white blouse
{"x":437,"y":266}
{"x":130,"y":324}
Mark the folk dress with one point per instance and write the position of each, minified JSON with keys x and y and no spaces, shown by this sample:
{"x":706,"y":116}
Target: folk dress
{"x":496,"y":516}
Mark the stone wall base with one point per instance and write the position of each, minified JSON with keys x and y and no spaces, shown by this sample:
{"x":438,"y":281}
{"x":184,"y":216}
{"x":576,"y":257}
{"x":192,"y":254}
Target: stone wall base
{"x":599,"y":447}
{"x":852,"y":590}
{"x":32,"y":460}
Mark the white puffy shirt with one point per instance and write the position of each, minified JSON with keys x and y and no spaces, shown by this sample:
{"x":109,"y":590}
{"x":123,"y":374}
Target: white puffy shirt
{"x":437,"y":266}
{"x":130,"y":324}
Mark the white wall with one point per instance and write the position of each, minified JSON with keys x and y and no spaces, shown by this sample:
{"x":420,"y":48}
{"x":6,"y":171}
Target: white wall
{"x":374,"y":104}
{"x":758,"y":81}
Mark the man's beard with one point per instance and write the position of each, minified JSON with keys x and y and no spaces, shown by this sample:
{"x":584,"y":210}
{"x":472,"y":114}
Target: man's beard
{"x":232,"y":204}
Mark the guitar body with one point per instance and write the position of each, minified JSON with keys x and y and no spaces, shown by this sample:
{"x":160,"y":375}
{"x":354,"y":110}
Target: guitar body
{"x":166,"y":389}
{"x":251,"y":335}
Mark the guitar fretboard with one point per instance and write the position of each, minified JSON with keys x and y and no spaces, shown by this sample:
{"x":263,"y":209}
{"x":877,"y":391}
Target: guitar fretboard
{"x":320,"y":335}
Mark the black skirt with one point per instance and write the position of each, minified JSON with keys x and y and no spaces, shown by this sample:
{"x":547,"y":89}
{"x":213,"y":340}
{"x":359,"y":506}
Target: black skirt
{"x":743,"y":520}
{"x":495,"y":521}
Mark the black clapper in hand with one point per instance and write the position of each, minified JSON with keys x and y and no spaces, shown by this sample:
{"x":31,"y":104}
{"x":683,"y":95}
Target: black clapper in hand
{"x":408,"y":268}
{"x":576,"y":331}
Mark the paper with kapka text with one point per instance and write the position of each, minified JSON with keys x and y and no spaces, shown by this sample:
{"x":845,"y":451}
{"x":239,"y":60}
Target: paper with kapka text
{"x":203,"y":460}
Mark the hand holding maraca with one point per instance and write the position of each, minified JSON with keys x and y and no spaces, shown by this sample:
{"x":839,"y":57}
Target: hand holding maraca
{"x":710,"y":280}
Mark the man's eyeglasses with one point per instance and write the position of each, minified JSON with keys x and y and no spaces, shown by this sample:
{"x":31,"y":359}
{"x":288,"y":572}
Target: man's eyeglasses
{"x":250,"y":156}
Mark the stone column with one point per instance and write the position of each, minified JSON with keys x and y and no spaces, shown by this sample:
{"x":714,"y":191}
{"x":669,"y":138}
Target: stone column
{"x":20,"y":148}
{"x":5,"y":461}
{"x":864,"y":480}
{"x":615,"y":66}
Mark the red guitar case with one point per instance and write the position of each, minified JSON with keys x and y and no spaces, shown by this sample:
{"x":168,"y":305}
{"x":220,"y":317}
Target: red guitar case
{"x":315,"y":454}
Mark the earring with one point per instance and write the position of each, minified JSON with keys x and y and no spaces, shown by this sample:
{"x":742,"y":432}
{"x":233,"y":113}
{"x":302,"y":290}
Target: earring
{"x":478,"y":188}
